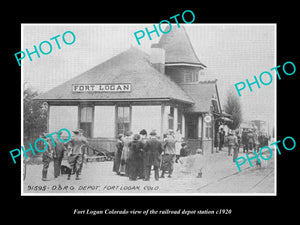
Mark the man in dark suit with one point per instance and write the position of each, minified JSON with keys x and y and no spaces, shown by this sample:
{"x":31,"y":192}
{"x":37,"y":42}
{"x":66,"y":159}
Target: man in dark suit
{"x":221,"y":137}
{"x":153,"y":149}
{"x":245,"y":141}
{"x":47,"y":156}
{"x":58,"y":154}
{"x":142,"y":168}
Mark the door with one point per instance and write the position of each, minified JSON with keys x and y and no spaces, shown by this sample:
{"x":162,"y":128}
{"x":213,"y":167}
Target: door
{"x":192,"y":129}
{"x":191,"y":121}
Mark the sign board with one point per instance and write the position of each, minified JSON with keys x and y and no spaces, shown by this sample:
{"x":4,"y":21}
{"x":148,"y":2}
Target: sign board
{"x":117,"y":87}
{"x":207,"y":118}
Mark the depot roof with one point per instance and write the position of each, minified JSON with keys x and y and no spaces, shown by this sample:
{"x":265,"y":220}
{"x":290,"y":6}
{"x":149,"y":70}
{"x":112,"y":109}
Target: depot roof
{"x":131,"y":66}
{"x":202,"y":93}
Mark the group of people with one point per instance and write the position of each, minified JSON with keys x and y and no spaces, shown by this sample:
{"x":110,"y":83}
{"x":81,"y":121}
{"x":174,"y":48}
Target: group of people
{"x":136,"y":154}
{"x":250,"y":140}
{"x":253,"y":140}
{"x":56,"y":151}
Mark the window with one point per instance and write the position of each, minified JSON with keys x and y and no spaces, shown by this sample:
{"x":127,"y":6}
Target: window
{"x":86,"y":119}
{"x":208,"y":130}
{"x":123,"y":119}
{"x":190,"y":76}
{"x":195,"y":76}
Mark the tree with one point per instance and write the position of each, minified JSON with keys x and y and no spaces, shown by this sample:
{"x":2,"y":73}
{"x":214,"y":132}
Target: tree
{"x":233,"y":107}
{"x":34,"y":115}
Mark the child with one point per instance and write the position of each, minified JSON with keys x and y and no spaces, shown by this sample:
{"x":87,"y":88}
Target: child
{"x":183,"y":152}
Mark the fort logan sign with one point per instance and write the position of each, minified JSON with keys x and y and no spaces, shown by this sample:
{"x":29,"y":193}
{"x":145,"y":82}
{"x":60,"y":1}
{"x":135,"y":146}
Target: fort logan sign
{"x":101,"y":87}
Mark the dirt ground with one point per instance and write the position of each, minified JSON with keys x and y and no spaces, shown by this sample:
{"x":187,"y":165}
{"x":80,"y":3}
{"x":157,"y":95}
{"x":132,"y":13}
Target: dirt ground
{"x":219,"y":176}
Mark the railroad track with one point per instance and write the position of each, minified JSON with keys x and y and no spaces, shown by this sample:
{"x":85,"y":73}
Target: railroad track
{"x":261,"y":180}
{"x":237,"y":174}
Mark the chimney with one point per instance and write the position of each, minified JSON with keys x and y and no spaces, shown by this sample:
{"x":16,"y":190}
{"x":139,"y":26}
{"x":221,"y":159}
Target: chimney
{"x":157,"y":58}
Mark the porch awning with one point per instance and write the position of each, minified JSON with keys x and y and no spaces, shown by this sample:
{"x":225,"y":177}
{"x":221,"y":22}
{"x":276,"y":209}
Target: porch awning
{"x":224,"y":119}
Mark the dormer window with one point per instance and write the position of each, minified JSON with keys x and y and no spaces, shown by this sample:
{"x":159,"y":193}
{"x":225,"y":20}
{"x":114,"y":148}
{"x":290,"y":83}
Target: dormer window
{"x":190,"y":76}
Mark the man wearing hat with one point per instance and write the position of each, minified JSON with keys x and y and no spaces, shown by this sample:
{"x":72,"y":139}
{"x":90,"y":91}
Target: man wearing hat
{"x":169,"y":154}
{"x":221,"y":137}
{"x":153,"y":149}
{"x":232,"y":142}
{"x":75,"y":158}
{"x":134,"y":157}
{"x":58,"y":154}
{"x":118,"y":153}
{"x":250,"y":140}
{"x":245,"y":140}
{"x":47,"y":156}
{"x":142,"y":167}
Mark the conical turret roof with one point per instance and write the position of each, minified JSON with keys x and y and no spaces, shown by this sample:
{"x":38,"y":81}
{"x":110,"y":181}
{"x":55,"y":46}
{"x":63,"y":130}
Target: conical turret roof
{"x":178,"y":47}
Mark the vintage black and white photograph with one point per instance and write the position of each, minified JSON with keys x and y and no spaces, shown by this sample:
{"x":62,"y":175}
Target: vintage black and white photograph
{"x":144,"y":109}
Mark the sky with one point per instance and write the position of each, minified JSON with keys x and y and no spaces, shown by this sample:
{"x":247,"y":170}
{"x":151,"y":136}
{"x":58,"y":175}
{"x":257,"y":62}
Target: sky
{"x":231,"y":52}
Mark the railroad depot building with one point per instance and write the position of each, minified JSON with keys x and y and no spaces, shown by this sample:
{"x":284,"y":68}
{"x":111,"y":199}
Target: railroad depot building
{"x":135,"y":90}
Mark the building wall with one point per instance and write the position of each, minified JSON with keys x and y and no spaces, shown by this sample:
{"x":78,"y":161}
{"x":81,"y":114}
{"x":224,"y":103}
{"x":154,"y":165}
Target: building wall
{"x":62,"y":117}
{"x":104,"y":121}
{"x":146,"y":117}
{"x":149,"y":117}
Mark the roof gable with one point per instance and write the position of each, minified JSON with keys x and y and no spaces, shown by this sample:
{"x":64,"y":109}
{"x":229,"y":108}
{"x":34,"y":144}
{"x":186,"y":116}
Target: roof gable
{"x":202,"y":94}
